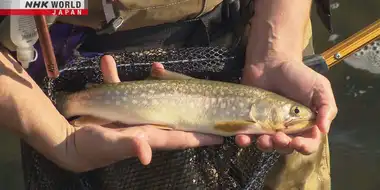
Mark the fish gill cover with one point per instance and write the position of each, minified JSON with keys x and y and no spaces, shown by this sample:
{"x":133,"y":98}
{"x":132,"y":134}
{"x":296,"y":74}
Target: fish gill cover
{"x":219,"y":167}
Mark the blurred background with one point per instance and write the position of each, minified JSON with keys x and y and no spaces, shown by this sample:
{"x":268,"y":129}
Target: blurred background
{"x":354,"y":142}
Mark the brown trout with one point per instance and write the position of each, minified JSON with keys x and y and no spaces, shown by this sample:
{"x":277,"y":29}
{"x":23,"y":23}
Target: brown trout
{"x":179,"y":102}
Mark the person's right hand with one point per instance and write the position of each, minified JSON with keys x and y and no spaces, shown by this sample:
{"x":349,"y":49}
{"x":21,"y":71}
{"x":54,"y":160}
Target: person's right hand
{"x":83,"y":145}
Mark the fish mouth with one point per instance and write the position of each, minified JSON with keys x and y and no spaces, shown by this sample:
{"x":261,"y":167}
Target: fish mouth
{"x":298,"y":125}
{"x":296,"y":121}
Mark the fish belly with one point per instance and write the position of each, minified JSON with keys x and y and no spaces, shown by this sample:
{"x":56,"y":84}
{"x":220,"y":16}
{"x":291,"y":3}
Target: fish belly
{"x":185,"y":112}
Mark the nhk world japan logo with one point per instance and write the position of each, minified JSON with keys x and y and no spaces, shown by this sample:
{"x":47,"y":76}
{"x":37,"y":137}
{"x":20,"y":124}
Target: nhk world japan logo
{"x":44,"y":7}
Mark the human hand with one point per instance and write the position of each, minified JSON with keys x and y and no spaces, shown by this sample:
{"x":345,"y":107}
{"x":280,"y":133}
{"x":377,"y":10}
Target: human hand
{"x":298,"y":82}
{"x":97,"y":143}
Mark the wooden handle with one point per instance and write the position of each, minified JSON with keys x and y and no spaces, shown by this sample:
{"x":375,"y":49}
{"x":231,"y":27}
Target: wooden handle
{"x":46,"y":47}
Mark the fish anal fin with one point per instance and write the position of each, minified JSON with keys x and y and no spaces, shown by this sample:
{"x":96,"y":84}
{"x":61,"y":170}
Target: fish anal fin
{"x":233,"y":126}
{"x":162,"y":127}
{"x":158,"y":72}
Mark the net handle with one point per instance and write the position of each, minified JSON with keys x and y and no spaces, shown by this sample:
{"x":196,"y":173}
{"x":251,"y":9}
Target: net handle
{"x":337,"y":53}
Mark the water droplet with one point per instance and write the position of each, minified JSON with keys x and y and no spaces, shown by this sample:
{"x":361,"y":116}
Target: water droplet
{"x":333,"y":37}
{"x":334,"y":5}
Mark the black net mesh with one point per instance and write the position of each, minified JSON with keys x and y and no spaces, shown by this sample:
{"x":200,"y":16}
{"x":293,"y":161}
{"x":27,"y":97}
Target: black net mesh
{"x":222,"y":167}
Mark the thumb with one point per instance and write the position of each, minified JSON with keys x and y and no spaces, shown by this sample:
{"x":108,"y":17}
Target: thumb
{"x":141,"y":148}
{"x":97,"y":146}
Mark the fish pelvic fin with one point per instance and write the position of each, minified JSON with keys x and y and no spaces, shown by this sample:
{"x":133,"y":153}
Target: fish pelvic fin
{"x":88,"y":120}
{"x":233,"y":126}
{"x":162,"y":127}
{"x":158,"y":72}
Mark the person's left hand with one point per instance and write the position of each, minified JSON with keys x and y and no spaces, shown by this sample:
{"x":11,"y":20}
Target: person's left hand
{"x":300,"y":83}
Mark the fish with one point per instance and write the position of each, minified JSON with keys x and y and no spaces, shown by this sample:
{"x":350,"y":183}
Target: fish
{"x":173,"y":101}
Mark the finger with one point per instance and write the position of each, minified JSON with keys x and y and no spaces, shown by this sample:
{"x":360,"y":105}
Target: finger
{"x":265,"y":143}
{"x":325,"y":102}
{"x":157,"y":66}
{"x":325,"y":116}
{"x":309,"y":144}
{"x":109,"y":69}
{"x":281,"y":142}
{"x":143,"y":151}
{"x":163,"y":139}
{"x":243,"y":140}
{"x":157,"y":70}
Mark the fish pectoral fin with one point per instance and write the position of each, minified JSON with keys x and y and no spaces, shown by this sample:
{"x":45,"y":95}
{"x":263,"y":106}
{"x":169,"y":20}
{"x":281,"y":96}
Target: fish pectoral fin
{"x":233,"y":126}
{"x":90,"y":120}
{"x":158,"y":72}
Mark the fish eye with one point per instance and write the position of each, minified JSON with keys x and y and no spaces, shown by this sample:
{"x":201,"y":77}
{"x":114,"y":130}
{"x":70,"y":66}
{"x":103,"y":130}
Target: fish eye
{"x":295,"y":110}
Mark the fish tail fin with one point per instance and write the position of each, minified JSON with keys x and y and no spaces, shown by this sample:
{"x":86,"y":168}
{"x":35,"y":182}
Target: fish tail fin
{"x":61,"y":102}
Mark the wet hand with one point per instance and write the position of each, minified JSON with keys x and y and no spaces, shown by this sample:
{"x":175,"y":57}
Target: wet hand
{"x":97,"y":143}
{"x":300,"y":83}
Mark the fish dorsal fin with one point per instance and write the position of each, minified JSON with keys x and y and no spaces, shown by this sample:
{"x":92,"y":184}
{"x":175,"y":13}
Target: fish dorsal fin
{"x":158,"y":72}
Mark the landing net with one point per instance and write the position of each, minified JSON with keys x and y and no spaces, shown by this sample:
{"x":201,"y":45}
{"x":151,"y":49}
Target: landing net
{"x":367,"y":58}
{"x":222,"y":167}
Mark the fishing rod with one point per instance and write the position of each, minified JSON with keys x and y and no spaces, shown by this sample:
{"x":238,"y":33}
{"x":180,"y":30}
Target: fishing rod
{"x":334,"y":55}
